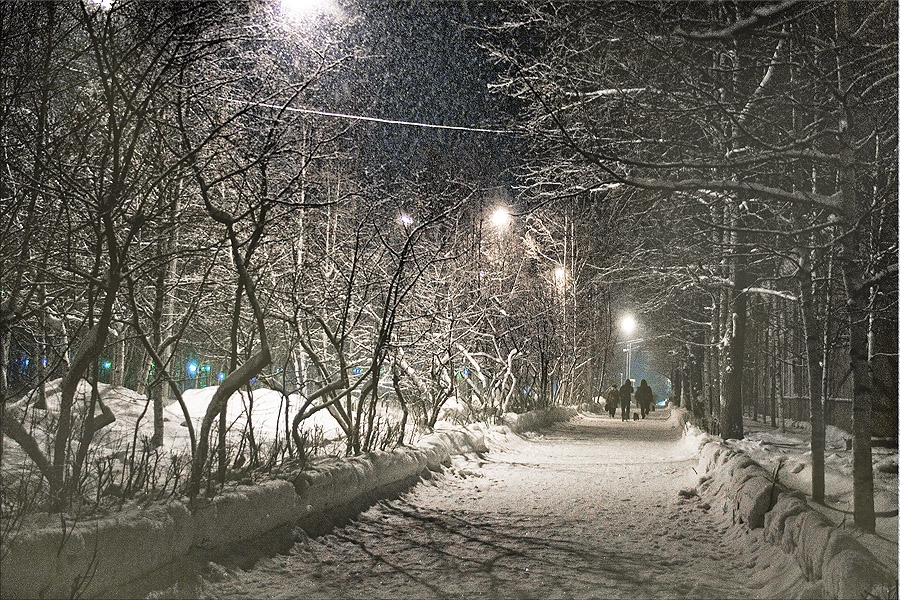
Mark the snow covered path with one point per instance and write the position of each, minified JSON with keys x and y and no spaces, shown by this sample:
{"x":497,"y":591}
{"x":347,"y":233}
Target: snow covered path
{"x":590,"y":508}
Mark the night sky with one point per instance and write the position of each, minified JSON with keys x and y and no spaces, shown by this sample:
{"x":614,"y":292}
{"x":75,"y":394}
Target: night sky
{"x":422,"y":62}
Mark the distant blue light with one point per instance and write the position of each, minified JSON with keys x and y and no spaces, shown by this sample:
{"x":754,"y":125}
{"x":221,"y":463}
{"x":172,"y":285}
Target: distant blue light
{"x":206,"y":368}
{"x":253,"y":380}
{"x":221,"y":376}
{"x":356,"y":370}
{"x":44,"y":361}
{"x":465,"y":372}
{"x":192,"y":368}
{"x":107,"y":364}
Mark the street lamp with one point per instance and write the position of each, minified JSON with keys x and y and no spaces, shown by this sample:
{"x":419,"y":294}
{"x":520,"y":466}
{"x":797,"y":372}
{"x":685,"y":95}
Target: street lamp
{"x":628,"y":325}
{"x":192,"y":368}
{"x":500,"y":218}
{"x":559,"y":273}
{"x":299,"y":9}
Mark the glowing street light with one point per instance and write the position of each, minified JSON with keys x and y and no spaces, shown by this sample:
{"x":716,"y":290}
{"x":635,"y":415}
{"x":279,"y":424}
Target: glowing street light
{"x":192,"y":368}
{"x":406,"y":219}
{"x":628,"y":325}
{"x":559,"y":273}
{"x":299,"y":9}
{"x":500,"y":218}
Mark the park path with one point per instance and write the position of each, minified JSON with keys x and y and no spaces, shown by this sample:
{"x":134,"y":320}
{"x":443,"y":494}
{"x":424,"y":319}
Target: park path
{"x":589,"y":509}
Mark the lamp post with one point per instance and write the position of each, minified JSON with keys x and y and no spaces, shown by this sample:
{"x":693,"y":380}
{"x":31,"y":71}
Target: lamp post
{"x":628,"y":325}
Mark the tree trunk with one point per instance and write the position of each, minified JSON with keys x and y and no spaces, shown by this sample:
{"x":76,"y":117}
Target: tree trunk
{"x":853,"y":267}
{"x":233,"y":382}
{"x":771,"y":364}
{"x":732,"y":409}
{"x":676,"y":382}
{"x":814,"y":358}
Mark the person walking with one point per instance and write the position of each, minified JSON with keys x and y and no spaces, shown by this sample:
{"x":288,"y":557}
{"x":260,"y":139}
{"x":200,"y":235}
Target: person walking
{"x":612,"y":400}
{"x":644,"y":398}
{"x":625,"y":398}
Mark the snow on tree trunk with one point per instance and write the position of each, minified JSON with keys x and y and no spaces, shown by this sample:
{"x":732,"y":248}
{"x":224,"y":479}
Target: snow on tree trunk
{"x":732,"y":409}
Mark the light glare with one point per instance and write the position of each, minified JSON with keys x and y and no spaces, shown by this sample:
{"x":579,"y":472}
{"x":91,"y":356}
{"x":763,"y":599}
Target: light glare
{"x":628,"y":324}
{"x":560,"y":273}
{"x":500,"y":217}
{"x":307,"y":8}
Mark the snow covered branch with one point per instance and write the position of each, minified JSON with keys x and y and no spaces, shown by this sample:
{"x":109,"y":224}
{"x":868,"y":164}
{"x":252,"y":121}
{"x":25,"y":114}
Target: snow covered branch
{"x":759,"y":17}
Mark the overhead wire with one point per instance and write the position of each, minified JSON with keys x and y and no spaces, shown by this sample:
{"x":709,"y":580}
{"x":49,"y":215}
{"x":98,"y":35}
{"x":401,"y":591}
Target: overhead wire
{"x":338,"y":115}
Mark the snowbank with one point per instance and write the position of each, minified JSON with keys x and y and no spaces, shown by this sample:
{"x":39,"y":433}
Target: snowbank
{"x":824,"y":553}
{"x":53,"y":559}
{"x":46,"y":561}
{"x":538,"y":419}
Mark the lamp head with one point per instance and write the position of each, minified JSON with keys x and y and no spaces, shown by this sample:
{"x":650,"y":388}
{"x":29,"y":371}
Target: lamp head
{"x":627,"y":324}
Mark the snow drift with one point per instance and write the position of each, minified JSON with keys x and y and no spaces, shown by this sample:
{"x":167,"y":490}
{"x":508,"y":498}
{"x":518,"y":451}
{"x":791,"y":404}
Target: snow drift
{"x":53,"y":558}
{"x":843,"y":567}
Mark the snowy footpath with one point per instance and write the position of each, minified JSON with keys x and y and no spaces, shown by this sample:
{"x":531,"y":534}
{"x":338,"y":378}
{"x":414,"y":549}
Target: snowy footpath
{"x":591,"y":508}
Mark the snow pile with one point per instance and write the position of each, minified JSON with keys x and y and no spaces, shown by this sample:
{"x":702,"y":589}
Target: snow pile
{"x":746,"y":487}
{"x":58,"y":558}
{"x":45,"y":559}
{"x":788,"y":451}
{"x":265,"y":409}
{"x":133,"y":416}
{"x":843,"y":566}
{"x":692,"y":437}
{"x":245,"y":512}
{"x":538,"y":419}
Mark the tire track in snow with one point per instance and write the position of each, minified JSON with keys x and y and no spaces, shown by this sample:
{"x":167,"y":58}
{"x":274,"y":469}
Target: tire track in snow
{"x":589,"y":509}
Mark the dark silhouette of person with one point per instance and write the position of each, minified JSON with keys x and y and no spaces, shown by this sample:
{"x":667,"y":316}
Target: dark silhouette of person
{"x":625,"y":398}
{"x":644,"y":398}
{"x":612,"y":400}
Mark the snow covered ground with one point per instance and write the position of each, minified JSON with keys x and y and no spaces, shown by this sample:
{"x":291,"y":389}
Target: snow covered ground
{"x":595,"y":507}
{"x":131,"y":409}
{"x":770,"y":446}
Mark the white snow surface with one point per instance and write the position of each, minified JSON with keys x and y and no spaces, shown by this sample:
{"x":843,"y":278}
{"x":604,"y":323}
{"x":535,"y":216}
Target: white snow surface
{"x":131,"y":408}
{"x":790,"y":447}
{"x":595,"y":507}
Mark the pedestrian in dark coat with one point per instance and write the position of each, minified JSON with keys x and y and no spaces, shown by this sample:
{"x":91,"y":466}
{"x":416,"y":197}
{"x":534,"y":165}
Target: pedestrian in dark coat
{"x":644,"y":398}
{"x":625,"y":398}
{"x":612,"y":400}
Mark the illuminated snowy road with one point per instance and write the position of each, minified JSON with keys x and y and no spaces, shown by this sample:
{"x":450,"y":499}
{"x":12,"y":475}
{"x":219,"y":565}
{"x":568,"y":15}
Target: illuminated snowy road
{"x":589,"y":509}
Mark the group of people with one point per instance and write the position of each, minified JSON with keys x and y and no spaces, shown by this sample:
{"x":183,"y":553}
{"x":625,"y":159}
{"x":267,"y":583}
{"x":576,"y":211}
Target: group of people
{"x":621,"y":396}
